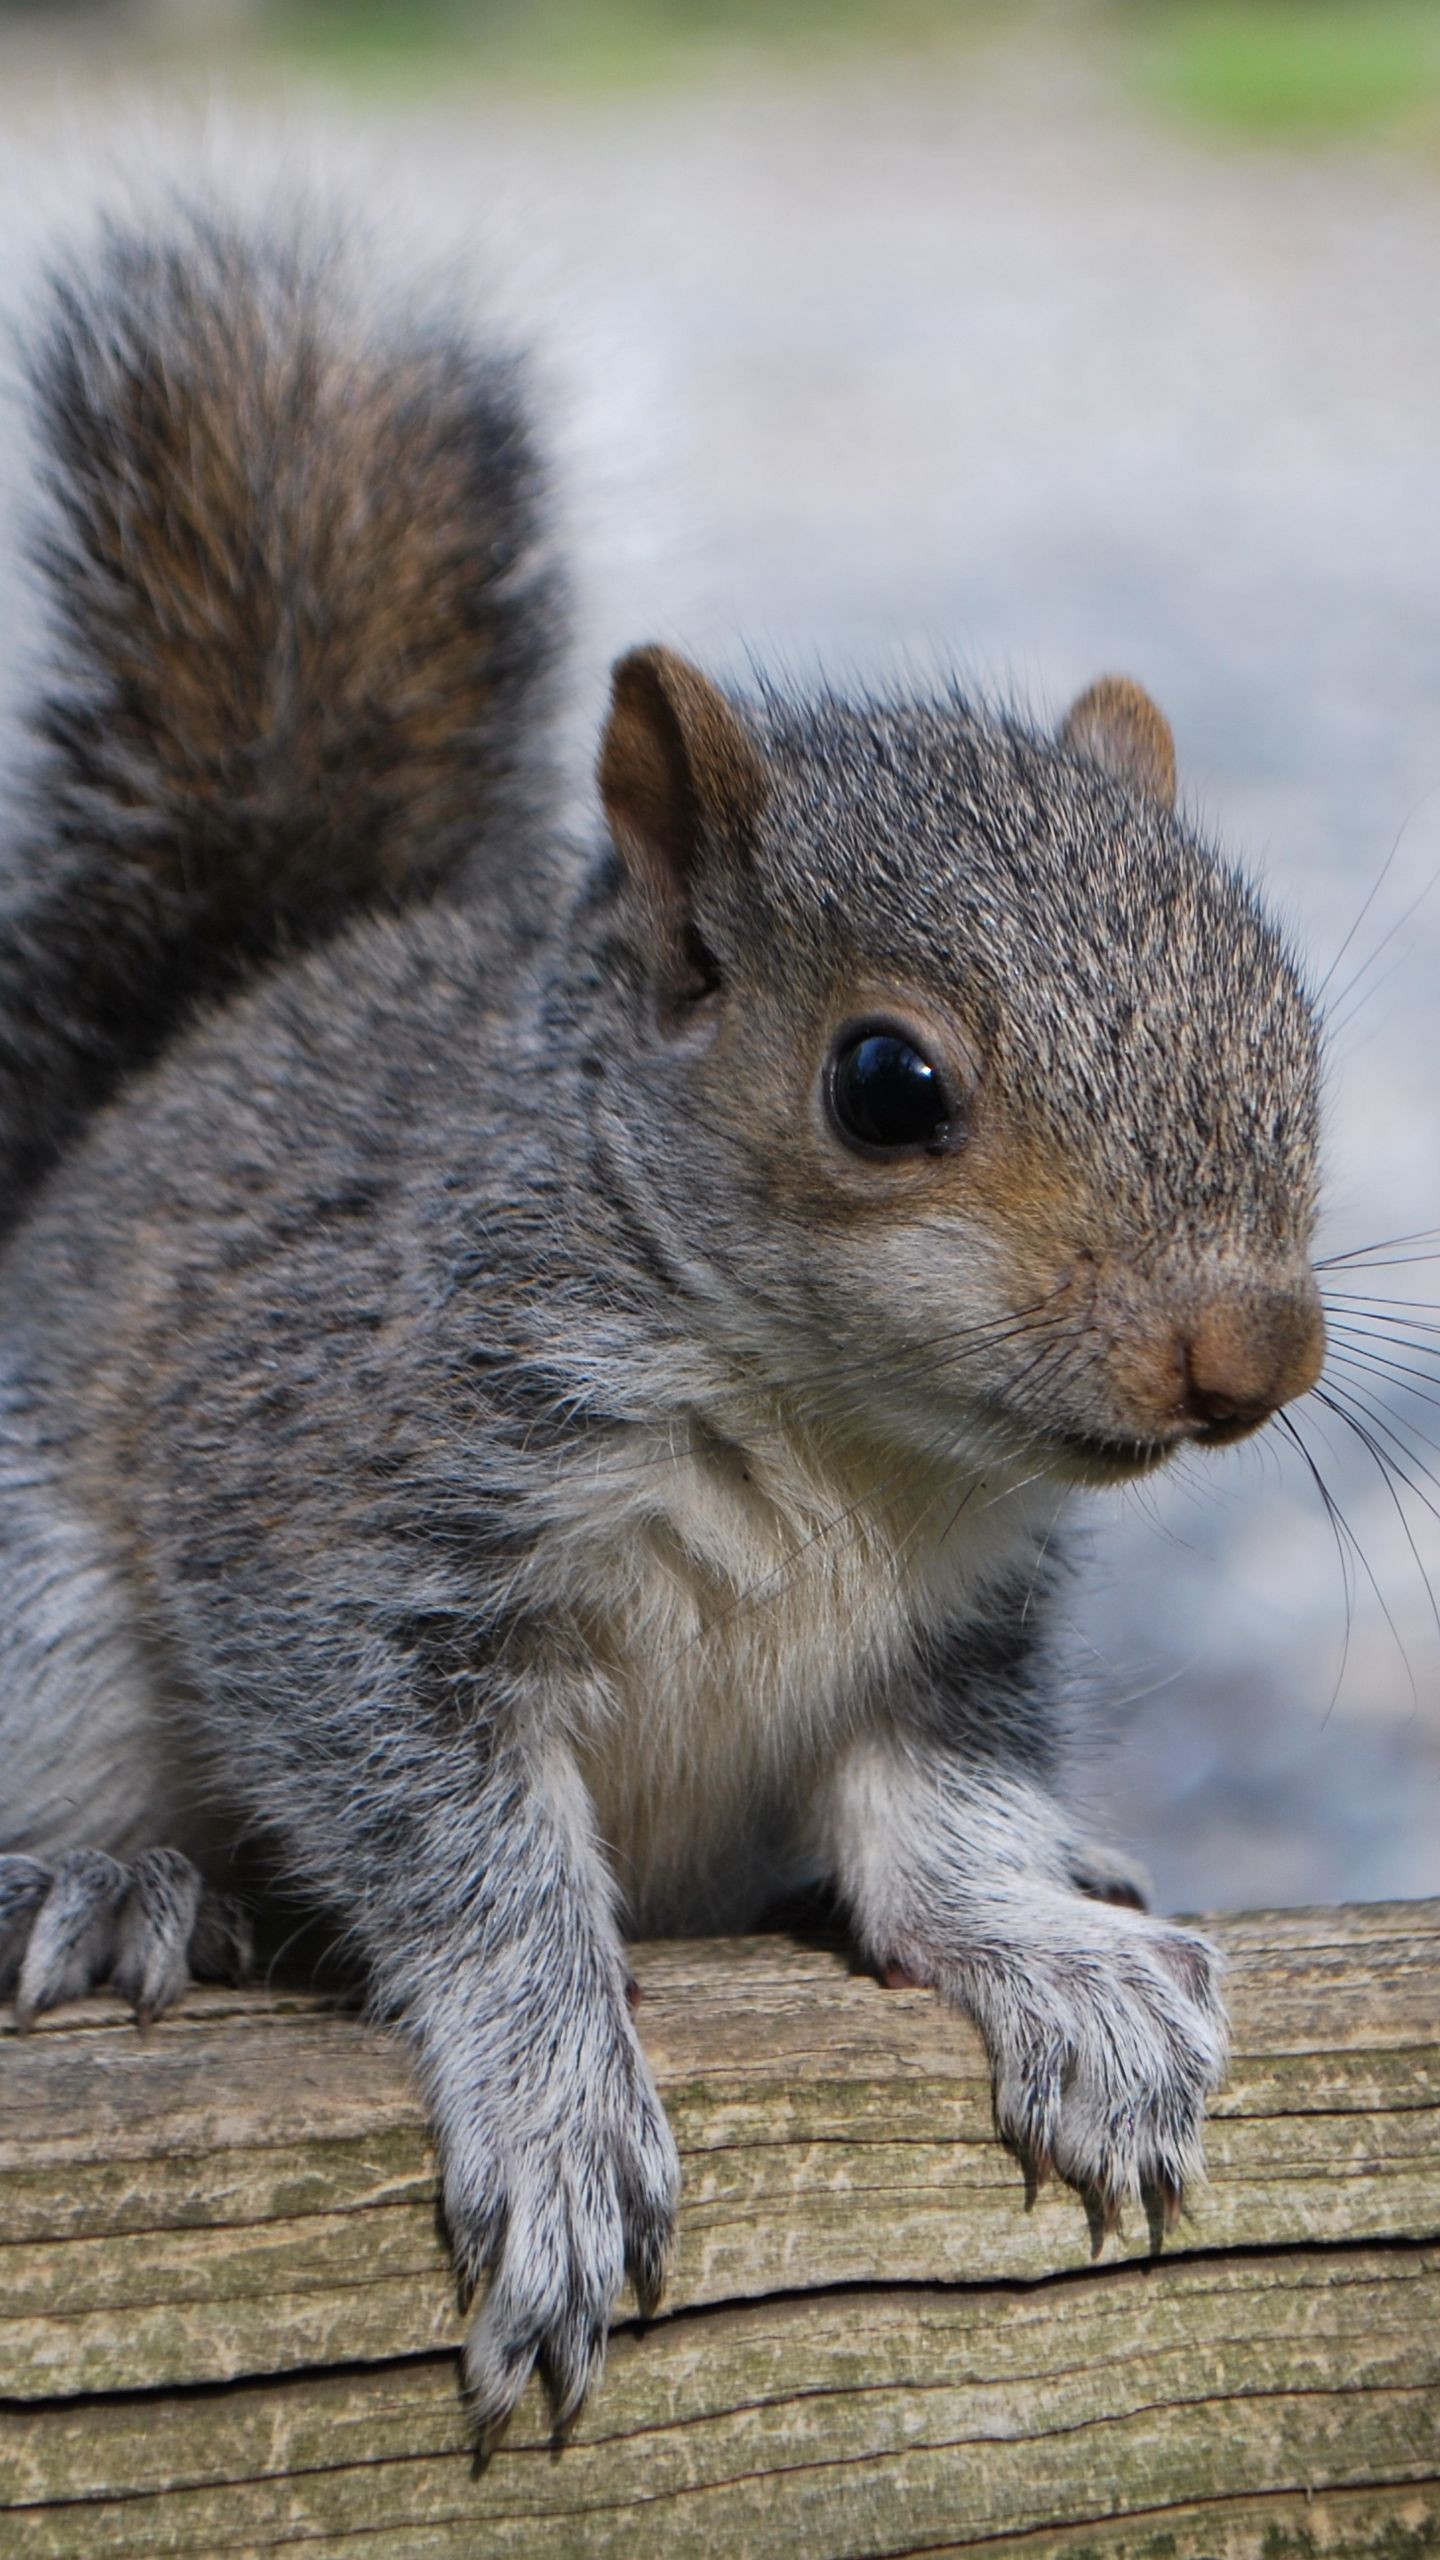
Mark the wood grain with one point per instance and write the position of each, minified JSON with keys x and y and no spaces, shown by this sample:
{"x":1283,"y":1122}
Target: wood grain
{"x":227,"y":2322}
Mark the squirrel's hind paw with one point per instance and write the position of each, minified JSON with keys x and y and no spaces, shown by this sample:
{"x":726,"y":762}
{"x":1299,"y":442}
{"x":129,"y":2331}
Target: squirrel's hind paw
{"x":74,"y":1923}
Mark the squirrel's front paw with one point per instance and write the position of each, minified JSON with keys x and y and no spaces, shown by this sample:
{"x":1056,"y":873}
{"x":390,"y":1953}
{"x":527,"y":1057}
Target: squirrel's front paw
{"x":555,"y":2213}
{"x":1106,"y":2033}
{"x":71,"y":1924}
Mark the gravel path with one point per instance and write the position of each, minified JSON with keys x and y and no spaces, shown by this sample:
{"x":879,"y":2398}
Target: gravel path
{"x":986,"y":374}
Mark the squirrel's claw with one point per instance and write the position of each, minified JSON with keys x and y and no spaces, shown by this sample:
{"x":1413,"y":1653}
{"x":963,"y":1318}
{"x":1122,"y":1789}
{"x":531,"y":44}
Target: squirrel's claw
{"x":1103,"y":1876}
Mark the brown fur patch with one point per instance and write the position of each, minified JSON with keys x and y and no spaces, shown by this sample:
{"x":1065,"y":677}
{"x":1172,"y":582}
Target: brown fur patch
{"x":676,"y":763}
{"x":300,"y":548}
{"x":298,"y":555}
{"x":1116,"y":724}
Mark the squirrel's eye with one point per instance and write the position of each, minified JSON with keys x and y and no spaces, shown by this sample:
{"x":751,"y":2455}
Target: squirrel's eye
{"x":885,"y":1096}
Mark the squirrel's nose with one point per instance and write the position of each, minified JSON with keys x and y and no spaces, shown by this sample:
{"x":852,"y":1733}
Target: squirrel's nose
{"x":1245,"y":1356}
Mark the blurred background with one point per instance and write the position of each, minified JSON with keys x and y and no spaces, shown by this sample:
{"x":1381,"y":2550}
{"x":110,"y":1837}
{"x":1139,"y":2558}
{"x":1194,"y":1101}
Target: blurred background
{"x":1028,"y":342}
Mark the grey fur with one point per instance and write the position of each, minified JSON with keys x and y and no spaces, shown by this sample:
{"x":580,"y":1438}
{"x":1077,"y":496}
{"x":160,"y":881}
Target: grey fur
{"x":502,"y":1452}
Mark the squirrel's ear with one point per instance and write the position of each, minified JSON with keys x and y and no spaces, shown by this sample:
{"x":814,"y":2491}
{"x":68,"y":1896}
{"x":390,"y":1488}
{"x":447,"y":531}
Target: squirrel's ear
{"x":678,"y":770}
{"x":1116,"y":723}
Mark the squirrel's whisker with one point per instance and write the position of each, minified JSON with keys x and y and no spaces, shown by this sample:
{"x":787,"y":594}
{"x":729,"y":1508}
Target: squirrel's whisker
{"x":1375,"y":1365}
{"x":1336,"y":1029}
{"x":832,"y":1406}
{"x":1041,"y":1553}
{"x":1362,"y":1557}
{"x":1378,"y":1420}
{"x":1388,"y":1469}
{"x":1426,"y":890}
{"x":1384,"y":1244}
{"x":1368,"y":901}
{"x":1385,"y":1324}
{"x":1383,"y":1331}
{"x":1384,"y":1345}
{"x":1014,"y":1323}
{"x":1402,"y":1355}
{"x":1345,"y":1545}
{"x":1379,"y":1299}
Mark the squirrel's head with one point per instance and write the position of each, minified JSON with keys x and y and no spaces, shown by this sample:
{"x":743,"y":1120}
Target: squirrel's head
{"x":965,"y":1087}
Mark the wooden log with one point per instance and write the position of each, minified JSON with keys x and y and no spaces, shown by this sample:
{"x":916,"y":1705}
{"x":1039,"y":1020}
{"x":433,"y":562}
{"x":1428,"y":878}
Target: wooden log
{"x":227,"y":2323}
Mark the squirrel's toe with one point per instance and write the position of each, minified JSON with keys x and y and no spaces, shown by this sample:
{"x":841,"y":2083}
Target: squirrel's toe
{"x":72,"y":1924}
{"x":71,"y":1945}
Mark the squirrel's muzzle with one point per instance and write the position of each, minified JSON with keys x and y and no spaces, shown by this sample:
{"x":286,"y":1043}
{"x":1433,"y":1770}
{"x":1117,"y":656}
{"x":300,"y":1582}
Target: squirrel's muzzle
{"x":1195,"y":1359}
{"x":1243,"y":1355}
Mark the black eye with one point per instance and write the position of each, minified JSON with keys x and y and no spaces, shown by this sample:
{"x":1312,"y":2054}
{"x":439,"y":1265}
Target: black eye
{"x":885,"y":1095}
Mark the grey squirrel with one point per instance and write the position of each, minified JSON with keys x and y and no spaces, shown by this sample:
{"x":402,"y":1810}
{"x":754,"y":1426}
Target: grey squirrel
{"x":537,"y":1380}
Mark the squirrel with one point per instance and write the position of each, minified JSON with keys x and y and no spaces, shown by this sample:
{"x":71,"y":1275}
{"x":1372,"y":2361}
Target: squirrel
{"x":539,"y":1379}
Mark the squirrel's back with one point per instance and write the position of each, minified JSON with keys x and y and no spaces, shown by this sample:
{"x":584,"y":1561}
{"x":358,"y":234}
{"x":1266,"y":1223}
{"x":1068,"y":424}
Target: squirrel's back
{"x":300,"y":618}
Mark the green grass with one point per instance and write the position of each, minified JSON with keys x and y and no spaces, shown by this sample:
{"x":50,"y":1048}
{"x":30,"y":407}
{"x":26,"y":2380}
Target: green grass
{"x":1299,"y":70}
{"x":1306,"y":72}
{"x":612,"y":43}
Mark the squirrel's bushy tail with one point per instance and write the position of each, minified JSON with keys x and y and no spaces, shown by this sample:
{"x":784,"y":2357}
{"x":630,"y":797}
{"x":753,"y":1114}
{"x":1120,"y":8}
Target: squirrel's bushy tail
{"x":301,"y":616}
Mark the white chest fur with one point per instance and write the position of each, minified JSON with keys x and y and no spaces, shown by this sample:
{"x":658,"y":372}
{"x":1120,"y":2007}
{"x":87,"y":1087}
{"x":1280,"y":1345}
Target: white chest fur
{"x":744,"y":1609}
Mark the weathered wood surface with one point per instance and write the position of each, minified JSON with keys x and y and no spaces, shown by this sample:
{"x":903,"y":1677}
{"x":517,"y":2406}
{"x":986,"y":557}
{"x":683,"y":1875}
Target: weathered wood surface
{"x":227,"y":2326}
